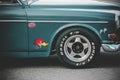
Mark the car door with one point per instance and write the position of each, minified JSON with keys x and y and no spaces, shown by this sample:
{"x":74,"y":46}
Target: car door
{"x":13,"y":27}
{"x":39,"y":33}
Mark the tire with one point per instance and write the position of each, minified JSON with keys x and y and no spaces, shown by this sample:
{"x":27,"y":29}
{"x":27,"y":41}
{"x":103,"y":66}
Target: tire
{"x":77,"y":47}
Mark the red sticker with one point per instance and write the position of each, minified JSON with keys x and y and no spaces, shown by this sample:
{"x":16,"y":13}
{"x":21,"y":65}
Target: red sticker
{"x":31,"y":24}
{"x":38,"y":41}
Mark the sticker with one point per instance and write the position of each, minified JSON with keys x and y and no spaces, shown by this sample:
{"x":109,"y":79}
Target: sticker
{"x":31,"y":25}
{"x":40,"y":42}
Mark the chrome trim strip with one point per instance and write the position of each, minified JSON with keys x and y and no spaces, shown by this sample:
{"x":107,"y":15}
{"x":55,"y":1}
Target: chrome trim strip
{"x":54,"y":21}
{"x":69,"y":21}
{"x":13,"y":20}
{"x":90,"y":10}
{"x":9,"y":4}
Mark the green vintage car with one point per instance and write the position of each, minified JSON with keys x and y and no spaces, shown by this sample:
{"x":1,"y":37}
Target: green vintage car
{"x":75,"y":30}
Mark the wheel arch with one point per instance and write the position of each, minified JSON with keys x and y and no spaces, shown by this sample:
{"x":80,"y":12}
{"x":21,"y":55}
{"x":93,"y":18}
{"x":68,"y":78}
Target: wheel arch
{"x":68,"y":26}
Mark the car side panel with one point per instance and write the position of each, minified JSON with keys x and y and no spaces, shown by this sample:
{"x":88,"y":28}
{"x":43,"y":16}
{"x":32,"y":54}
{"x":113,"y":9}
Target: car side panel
{"x":49,"y":21}
{"x":13,"y":29}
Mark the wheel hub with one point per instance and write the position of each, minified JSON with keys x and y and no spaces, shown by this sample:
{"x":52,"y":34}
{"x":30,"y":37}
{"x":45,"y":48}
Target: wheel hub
{"x":77,"y":47}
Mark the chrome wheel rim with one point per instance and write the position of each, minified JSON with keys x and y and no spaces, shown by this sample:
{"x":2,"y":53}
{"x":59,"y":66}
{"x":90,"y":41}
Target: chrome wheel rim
{"x":77,"y":48}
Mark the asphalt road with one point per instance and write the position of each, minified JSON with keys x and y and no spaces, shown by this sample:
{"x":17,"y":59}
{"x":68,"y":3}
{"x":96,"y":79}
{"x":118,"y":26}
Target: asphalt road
{"x":105,"y":68}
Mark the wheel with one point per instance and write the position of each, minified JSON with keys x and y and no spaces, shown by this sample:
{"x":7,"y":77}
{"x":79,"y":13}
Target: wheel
{"x":76,"y":47}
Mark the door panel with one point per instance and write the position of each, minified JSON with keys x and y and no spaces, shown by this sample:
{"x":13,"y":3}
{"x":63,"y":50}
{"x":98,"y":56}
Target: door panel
{"x":40,"y":30}
{"x":13,"y":28}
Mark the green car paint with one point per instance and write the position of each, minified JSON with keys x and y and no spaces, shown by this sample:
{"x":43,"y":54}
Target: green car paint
{"x":17,"y":34}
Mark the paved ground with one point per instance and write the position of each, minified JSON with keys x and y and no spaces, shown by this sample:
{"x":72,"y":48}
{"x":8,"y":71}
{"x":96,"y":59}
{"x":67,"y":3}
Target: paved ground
{"x":106,"y":68}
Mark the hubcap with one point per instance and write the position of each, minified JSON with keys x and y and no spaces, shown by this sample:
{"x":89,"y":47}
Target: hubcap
{"x":77,"y":48}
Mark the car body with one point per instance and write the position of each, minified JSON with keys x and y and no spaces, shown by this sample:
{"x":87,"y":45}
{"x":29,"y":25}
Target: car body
{"x":30,"y":29}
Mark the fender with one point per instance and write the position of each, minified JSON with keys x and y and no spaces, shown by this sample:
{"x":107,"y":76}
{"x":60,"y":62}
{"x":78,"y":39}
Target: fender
{"x":73,"y":25}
